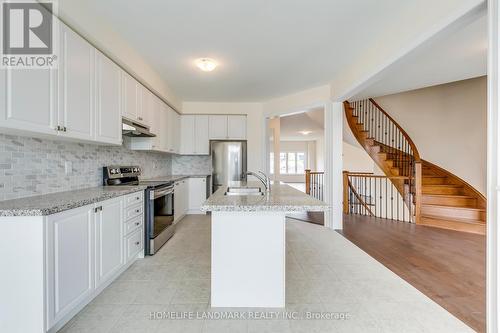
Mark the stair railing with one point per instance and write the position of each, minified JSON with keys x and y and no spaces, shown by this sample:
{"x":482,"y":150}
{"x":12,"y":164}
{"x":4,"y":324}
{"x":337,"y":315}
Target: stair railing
{"x":394,"y":141}
{"x":375,"y":196}
{"x":314,"y":183}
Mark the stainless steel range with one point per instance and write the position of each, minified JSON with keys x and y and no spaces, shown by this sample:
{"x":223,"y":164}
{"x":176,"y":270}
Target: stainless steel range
{"x":159,"y":204}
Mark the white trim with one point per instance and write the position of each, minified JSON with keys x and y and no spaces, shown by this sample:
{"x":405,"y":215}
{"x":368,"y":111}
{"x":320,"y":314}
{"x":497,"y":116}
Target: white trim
{"x":333,"y":164}
{"x":492,"y":229}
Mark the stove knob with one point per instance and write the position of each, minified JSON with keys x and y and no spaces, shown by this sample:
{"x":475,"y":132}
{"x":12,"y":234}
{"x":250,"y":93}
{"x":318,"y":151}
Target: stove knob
{"x":112,"y":171}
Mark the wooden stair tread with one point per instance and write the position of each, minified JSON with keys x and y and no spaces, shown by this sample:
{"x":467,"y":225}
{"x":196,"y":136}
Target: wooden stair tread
{"x":459,"y":220}
{"x":458,"y":208}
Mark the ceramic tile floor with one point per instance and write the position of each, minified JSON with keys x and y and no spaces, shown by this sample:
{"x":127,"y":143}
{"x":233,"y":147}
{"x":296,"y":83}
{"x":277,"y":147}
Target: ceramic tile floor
{"x":325,"y":273}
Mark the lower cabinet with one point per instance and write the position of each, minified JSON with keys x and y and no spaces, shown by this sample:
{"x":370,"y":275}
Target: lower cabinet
{"x":181,"y":199}
{"x":109,"y":239}
{"x":86,"y":249}
{"x":70,"y":262}
{"x":197,"y":194}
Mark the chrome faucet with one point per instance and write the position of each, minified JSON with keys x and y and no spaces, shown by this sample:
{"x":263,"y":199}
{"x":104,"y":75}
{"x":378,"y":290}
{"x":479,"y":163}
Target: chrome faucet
{"x":263,"y":178}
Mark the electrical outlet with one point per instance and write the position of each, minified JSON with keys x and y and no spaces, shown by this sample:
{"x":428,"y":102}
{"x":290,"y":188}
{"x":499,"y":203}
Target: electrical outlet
{"x":68,"y":167}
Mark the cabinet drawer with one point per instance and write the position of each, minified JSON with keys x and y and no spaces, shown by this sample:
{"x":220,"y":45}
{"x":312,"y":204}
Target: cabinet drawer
{"x":134,"y":244}
{"x":134,"y":223}
{"x":134,"y":198}
{"x":133,"y":211}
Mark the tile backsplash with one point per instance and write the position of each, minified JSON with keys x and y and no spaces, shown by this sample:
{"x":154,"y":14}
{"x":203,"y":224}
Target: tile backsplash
{"x":32,"y":166}
{"x":191,"y":165}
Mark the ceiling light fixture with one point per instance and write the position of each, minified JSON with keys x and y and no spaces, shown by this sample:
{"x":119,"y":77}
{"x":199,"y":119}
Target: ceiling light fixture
{"x":206,"y":64}
{"x":305,"y":132}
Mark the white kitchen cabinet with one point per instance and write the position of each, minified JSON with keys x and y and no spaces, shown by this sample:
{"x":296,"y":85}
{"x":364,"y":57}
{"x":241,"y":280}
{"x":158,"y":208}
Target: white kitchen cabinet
{"x":109,"y":239}
{"x":108,"y":112}
{"x":197,"y":194}
{"x":70,"y":270}
{"x":201,"y":139}
{"x":145,"y":105}
{"x":76,"y":86}
{"x":131,"y":97}
{"x":227,"y":127}
{"x":194,"y":135}
{"x":166,"y":143}
{"x":187,"y":134}
{"x":237,"y":127}
{"x":218,"y":127}
{"x":155,"y":117}
{"x":177,"y":132}
{"x":181,"y":199}
{"x":29,"y":100}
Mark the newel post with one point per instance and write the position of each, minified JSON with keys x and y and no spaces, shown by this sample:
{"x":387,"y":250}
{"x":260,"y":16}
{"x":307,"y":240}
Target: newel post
{"x":418,"y":190}
{"x":345,"y":200}
{"x":308,"y":181}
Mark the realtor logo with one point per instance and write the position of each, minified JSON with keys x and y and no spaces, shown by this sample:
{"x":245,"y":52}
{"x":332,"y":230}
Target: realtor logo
{"x":27,"y":34}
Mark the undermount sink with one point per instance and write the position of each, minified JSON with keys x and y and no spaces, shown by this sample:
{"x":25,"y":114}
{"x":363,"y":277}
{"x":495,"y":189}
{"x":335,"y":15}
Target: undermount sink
{"x":244,"y":190}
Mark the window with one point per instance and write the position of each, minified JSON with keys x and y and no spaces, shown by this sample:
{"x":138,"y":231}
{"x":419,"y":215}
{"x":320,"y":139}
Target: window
{"x":292,"y":163}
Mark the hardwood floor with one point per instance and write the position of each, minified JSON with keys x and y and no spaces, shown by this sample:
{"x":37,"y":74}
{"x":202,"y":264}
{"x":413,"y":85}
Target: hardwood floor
{"x":311,"y":217}
{"x":447,"y":266}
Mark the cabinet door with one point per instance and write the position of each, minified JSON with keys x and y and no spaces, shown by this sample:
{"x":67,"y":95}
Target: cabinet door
{"x":187,"y":134}
{"x":145,"y":105}
{"x":177,"y":200}
{"x":76,"y":86}
{"x":155,"y":117}
{"x":109,"y":239}
{"x":28,"y":100}
{"x":185,"y":196}
{"x":130,"y":88}
{"x":197,"y":193}
{"x":218,"y":127}
{"x":165,"y":144}
{"x":171,"y":129}
{"x":237,"y":127}
{"x":69,"y":260}
{"x":108,"y":115}
{"x":177,"y":133}
{"x":201,"y":135}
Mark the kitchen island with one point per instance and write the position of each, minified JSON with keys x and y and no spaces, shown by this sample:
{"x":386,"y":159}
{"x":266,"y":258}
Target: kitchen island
{"x":248,"y":242}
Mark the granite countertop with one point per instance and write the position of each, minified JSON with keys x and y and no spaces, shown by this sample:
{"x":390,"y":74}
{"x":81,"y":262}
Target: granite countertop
{"x":281,"y":198}
{"x":174,"y":178}
{"x":48,"y":204}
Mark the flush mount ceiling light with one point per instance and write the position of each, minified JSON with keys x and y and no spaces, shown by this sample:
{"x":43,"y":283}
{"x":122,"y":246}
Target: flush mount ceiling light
{"x":206,"y":64}
{"x":305,"y":132}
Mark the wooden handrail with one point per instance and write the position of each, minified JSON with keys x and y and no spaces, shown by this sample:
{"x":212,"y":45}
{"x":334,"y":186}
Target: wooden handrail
{"x":416,"y":154}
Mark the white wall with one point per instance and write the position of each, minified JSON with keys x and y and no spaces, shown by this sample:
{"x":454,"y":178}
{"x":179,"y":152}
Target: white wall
{"x":447,"y":124}
{"x":356,"y":159}
{"x":76,"y":14}
{"x":255,"y":125}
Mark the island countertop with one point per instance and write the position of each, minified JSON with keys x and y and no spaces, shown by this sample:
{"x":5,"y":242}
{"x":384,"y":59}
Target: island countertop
{"x":281,"y":198}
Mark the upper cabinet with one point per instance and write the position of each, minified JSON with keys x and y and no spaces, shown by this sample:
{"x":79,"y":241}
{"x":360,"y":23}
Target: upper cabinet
{"x":131,"y":97}
{"x":227,"y":127}
{"x":194,"y":135}
{"x":108,"y":111}
{"x":29,"y":100}
{"x":218,"y":127}
{"x":76,"y":86}
{"x":237,"y":127}
{"x":145,"y":103}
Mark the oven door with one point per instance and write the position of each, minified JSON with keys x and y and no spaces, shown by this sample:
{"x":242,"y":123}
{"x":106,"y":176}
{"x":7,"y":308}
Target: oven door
{"x":160,"y":217}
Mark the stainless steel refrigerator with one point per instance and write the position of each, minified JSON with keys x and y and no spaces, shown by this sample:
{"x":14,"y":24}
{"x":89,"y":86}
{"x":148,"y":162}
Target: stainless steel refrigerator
{"x":229,"y":162}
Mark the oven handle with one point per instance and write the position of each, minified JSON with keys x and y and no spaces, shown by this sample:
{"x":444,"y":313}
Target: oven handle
{"x":161,"y":193}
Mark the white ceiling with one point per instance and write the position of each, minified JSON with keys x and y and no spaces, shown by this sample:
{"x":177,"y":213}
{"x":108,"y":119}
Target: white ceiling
{"x":312,"y":120}
{"x":265,"y":48}
{"x":452,"y":56}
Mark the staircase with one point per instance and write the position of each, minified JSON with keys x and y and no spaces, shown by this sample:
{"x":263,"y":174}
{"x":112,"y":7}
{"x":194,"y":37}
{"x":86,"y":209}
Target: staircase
{"x":436,"y":197}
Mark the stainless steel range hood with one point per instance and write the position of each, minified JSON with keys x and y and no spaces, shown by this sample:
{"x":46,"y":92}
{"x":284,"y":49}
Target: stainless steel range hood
{"x":129,"y":128}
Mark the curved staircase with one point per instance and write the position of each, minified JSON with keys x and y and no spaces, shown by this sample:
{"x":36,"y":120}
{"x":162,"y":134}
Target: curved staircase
{"x":436,"y":197}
